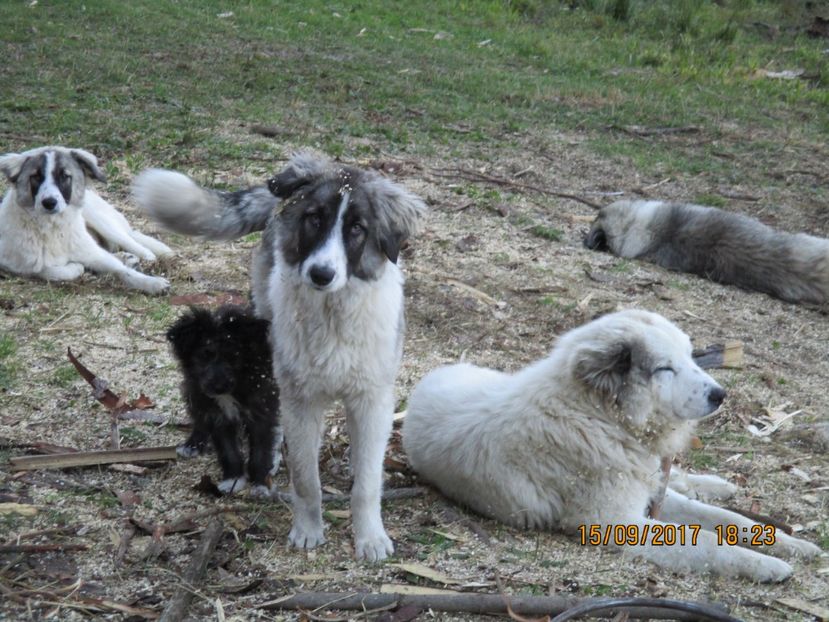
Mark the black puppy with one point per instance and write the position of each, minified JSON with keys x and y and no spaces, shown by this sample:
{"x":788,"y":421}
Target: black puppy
{"x":225,"y":357}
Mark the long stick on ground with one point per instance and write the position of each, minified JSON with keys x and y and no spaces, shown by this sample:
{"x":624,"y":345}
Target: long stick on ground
{"x":477,"y":604}
{"x":193,"y":575}
{"x":91,"y":458}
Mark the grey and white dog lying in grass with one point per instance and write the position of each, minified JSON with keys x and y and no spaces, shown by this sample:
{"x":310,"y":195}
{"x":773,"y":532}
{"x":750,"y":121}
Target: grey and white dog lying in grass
{"x":574,"y":441}
{"x":718,"y":245}
{"x":48,"y":212}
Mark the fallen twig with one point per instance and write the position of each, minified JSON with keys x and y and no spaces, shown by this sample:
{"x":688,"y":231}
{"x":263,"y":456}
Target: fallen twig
{"x":763,"y":519}
{"x":656,"y":503}
{"x":42,"y":548}
{"x":668,"y":607}
{"x":124,"y":543}
{"x":494,"y":603}
{"x":729,"y":354}
{"x":470,"y":175}
{"x":92,"y":458}
{"x":193,"y":575}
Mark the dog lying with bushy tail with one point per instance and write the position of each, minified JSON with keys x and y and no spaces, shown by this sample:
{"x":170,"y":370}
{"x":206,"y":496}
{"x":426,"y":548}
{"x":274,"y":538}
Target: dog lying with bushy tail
{"x":574,"y":441}
{"x":48,"y":212}
{"x":718,"y":245}
{"x":327,"y":276}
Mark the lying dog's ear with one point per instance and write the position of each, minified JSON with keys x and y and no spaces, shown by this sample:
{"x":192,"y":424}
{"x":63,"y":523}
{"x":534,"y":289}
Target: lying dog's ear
{"x":11,"y":164}
{"x":89,"y":164}
{"x":605,"y":370}
{"x":302,"y":169}
{"x":398,"y":211}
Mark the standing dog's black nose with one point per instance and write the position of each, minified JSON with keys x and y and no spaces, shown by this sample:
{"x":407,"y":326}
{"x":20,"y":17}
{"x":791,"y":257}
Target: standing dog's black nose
{"x":49,"y":203}
{"x":716,"y":397}
{"x":322,"y":275}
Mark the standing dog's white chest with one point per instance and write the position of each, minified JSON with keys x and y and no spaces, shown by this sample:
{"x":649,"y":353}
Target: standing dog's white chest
{"x":336,"y":343}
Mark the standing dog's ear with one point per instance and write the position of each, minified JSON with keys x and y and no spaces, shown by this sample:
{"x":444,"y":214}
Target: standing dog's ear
{"x":302,"y":169}
{"x":89,"y":164}
{"x":605,"y":368}
{"x":11,"y":164}
{"x":398,"y":212}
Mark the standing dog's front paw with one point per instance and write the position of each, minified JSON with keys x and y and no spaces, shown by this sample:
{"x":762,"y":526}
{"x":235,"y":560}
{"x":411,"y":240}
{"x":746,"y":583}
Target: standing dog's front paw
{"x":233,"y":484}
{"x":306,"y":537}
{"x":188,"y":451}
{"x":373,"y":548}
{"x":259,"y":491}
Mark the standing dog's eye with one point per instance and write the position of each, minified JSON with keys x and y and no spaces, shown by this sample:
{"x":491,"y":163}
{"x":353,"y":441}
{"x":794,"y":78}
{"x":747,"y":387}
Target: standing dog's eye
{"x":661,"y":369}
{"x":65,"y":176}
{"x":356,"y":230}
{"x":314,"y":220}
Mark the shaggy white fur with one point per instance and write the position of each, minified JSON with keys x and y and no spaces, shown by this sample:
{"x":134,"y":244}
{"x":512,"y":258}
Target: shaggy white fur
{"x":45,"y":214}
{"x":575,"y":440}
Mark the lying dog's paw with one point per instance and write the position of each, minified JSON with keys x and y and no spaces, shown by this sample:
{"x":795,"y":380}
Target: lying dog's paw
{"x":795,"y":547}
{"x":128,"y":259}
{"x":233,"y":484}
{"x":772,"y":570}
{"x":188,"y":451}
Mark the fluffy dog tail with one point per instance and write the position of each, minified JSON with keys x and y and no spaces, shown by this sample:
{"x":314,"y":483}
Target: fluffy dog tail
{"x":181,"y":205}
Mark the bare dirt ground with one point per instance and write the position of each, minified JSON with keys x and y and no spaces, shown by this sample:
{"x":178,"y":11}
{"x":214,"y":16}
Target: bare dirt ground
{"x":484,"y":282}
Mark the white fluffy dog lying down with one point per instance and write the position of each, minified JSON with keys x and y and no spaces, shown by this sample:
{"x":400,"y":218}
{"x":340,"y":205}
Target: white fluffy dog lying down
{"x":573,"y":442}
{"x":45,"y":215}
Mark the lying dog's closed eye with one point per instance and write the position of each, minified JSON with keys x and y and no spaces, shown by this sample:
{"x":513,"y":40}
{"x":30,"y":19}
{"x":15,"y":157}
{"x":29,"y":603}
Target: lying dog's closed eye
{"x":229,"y":391}
{"x":47,"y":215}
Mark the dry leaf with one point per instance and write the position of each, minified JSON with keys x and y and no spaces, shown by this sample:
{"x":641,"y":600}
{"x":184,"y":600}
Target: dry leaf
{"x":17,"y":508}
{"x":813,"y":609}
{"x":427,"y":573}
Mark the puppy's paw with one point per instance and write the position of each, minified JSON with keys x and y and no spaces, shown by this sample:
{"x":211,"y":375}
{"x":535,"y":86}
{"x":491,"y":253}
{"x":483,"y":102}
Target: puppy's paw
{"x":306,"y":536}
{"x":231,"y":485}
{"x":277,"y":460}
{"x":260,"y":491}
{"x":188,"y":451}
{"x":373,"y":548}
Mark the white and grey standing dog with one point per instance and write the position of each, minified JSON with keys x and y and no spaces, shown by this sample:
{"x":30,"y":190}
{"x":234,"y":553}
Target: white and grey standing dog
{"x":574,"y":441}
{"x":326,"y":275}
{"x":45,"y":215}
{"x":718,"y":245}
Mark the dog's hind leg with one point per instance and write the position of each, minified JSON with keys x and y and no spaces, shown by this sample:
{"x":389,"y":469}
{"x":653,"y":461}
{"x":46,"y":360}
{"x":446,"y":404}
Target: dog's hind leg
{"x":303,"y":421}
{"x":679,"y":508}
{"x":231,"y":460}
{"x":156,"y":246}
{"x":99,"y":260}
{"x":66,"y":272}
{"x":111,"y":225}
{"x":369,"y":425}
{"x":278,"y":437}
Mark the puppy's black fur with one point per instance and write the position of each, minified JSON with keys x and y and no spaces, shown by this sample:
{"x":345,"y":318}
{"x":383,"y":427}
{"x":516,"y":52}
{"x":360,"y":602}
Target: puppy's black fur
{"x":225,"y":358}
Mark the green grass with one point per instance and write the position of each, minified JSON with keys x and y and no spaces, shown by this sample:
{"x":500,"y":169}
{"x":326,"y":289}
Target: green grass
{"x":8,"y":366}
{"x":164,"y":83}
